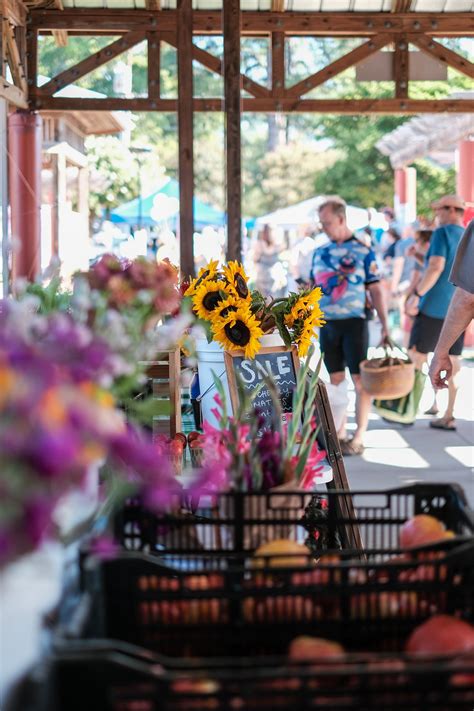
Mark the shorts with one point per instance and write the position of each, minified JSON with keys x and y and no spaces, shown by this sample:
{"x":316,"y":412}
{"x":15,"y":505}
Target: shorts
{"x":344,"y":343}
{"x":425,"y":333}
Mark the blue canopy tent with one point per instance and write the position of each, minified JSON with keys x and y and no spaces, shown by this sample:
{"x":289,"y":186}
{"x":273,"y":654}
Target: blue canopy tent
{"x":143,"y":210}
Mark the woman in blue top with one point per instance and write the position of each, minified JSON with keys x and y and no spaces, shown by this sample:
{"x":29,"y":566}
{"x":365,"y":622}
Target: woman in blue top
{"x":431,"y":299}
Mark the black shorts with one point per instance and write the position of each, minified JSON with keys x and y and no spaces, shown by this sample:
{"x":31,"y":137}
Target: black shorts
{"x":344,"y":343}
{"x":425,"y":333}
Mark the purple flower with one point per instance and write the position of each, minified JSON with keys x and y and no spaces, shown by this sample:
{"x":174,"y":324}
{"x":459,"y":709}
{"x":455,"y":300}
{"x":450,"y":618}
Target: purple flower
{"x":37,"y":518}
{"x":51,"y":452}
{"x":104,"y":547}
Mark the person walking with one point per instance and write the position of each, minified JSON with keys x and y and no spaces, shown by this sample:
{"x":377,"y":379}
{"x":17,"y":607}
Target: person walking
{"x":344,"y":269}
{"x":430,"y":301}
{"x":460,"y":312}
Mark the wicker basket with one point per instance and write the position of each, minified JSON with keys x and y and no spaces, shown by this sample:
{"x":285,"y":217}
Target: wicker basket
{"x":388,"y":378}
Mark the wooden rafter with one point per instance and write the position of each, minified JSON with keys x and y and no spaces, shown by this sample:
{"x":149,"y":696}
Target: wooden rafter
{"x":90,"y":63}
{"x":153,"y":5}
{"x":215,"y":65}
{"x":340,"y":65}
{"x":401,"y":5}
{"x":13,"y":53}
{"x":322,"y":24}
{"x":401,"y":60}
{"x":285,"y":104}
{"x":278,"y":5}
{"x":443,"y":54}
{"x":60,"y":36}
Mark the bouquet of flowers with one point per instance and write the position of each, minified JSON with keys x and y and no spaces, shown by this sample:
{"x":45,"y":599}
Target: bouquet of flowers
{"x":239,"y":455}
{"x":55,"y":420}
{"x":118,"y":304}
{"x":237,"y":317}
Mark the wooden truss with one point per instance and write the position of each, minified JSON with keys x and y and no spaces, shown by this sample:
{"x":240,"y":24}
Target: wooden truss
{"x":13,"y":88}
{"x":379,"y":30}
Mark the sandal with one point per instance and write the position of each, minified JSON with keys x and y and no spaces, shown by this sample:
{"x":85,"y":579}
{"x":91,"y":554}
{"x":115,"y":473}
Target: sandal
{"x":444,"y":424}
{"x":349,"y":449}
{"x":433,"y":410}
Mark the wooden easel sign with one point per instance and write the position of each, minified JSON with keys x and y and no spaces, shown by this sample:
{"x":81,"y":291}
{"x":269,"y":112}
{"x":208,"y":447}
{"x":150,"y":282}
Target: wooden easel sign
{"x":279,"y":363}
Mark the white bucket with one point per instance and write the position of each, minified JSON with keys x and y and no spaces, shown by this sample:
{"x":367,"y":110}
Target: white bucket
{"x":211,"y":359}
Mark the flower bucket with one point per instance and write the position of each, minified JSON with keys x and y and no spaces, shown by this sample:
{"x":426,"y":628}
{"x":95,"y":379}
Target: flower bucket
{"x":211,"y":360}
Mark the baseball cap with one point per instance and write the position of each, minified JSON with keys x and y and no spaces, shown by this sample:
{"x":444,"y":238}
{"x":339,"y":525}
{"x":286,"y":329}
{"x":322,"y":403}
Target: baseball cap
{"x":455,"y":201}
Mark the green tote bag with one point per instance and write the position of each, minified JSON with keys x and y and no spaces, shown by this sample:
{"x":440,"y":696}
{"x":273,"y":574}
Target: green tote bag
{"x":405,"y":409}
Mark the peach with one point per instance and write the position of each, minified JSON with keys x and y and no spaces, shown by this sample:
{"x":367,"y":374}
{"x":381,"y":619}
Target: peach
{"x":441,"y":634}
{"x":421,"y":530}
{"x":314,"y":649}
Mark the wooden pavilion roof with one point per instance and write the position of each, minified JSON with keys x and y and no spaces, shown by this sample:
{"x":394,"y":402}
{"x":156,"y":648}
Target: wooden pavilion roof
{"x":269,"y":5}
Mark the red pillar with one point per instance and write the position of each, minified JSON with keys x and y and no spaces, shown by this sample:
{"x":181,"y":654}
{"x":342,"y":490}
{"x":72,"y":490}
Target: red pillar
{"x":24,"y":140}
{"x":465,"y":176}
{"x":405,"y":194}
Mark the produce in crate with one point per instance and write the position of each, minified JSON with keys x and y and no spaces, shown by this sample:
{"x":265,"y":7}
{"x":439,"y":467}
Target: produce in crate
{"x":314,"y":649}
{"x":422,"y":530}
{"x":441,"y":634}
{"x":281,"y":553}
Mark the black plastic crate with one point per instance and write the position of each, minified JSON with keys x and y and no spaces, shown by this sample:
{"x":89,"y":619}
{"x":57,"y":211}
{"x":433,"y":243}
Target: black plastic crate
{"x":240,"y":522}
{"x":110,"y":680}
{"x":229,"y":605}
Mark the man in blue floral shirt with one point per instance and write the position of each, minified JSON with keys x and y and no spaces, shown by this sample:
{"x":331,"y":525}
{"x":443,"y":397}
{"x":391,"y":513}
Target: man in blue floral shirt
{"x":345,"y":269}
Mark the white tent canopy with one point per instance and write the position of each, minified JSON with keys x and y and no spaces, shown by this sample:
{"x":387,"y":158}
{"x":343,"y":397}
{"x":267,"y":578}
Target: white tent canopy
{"x":306,"y":213}
{"x":432,"y":136}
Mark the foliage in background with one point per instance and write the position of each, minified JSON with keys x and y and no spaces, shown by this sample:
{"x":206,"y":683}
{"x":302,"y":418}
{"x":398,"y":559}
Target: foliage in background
{"x":283,"y":159}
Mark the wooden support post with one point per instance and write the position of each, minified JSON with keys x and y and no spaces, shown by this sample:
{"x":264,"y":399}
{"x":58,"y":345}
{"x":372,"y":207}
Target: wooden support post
{"x":154,"y":63}
{"x":32,"y":61}
{"x":232,"y":83}
{"x":401,"y":68}
{"x":186,"y":133}
{"x":278,"y":63}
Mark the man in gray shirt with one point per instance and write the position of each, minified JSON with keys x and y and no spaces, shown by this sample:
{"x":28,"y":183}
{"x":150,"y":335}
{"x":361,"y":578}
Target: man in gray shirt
{"x":461,"y":309}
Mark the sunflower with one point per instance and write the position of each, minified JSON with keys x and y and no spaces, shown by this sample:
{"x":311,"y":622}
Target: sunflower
{"x":206,"y":273}
{"x":226,"y":307}
{"x":301,"y":305}
{"x":237,"y":279}
{"x":239,"y":331}
{"x":207,"y":298}
{"x":305,"y":329}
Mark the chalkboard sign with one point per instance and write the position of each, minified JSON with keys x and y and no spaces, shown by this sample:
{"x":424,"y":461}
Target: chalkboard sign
{"x":279,"y":363}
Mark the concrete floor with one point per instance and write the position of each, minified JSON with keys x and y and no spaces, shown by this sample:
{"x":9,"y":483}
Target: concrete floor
{"x":396,"y":455}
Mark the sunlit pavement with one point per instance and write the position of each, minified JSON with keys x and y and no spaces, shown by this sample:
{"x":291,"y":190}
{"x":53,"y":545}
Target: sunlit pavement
{"x":396,"y":455}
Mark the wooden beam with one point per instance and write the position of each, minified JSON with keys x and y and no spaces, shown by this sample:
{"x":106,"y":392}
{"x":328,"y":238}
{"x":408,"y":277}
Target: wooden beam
{"x":13,"y":94}
{"x":340,"y":65}
{"x":278,"y":63}
{"x":15,"y":11}
{"x":16,"y":65}
{"x":401,"y":6}
{"x":4,"y":47}
{"x":401,"y":68}
{"x":286,"y":105}
{"x":154,"y":64}
{"x":278,"y":5}
{"x":60,"y":36}
{"x":443,"y":54}
{"x":32,"y":62}
{"x":215,"y":65}
{"x":324,"y":24}
{"x":153,"y":5}
{"x":232,"y":84}
{"x":90,"y":63}
{"x":186,"y":135}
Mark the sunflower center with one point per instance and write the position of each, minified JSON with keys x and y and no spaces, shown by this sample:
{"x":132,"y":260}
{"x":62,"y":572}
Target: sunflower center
{"x":211,"y":300}
{"x":241,"y":286}
{"x":239,"y":333}
{"x":228,"y":309}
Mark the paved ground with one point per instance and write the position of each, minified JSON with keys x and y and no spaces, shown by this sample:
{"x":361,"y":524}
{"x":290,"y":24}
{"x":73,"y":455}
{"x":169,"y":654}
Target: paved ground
{"x":397,"y":455}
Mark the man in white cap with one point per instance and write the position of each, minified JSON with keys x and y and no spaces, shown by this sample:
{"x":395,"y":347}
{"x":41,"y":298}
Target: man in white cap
{"x":433,"y":295}
{"x":461,"y":309}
